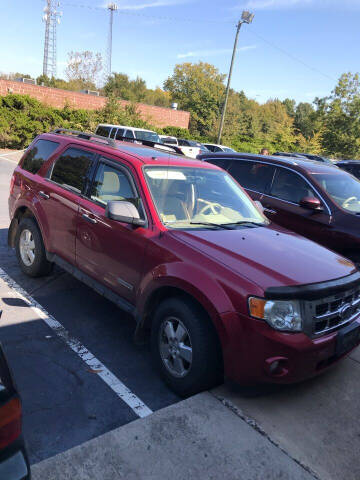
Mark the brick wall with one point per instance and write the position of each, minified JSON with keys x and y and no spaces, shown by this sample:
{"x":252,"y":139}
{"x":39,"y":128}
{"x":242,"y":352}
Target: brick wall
{"x":157,"y":116}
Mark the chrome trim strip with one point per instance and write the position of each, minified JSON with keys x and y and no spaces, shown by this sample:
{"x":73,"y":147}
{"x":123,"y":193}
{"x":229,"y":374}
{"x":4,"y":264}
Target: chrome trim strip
{"x":125,"y":284}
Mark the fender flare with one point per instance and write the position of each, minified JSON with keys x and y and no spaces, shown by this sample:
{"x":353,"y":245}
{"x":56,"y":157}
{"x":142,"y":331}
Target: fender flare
{"x":190,"y":280}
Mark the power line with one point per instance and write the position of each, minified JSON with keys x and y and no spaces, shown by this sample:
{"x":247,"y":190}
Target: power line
{"x":206,"y":21}
{"x":290,"y":55}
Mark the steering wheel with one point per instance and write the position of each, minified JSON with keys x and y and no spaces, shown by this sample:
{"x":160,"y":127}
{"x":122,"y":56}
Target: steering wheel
{"x":210,"y":207}
{"x":348,"y":201}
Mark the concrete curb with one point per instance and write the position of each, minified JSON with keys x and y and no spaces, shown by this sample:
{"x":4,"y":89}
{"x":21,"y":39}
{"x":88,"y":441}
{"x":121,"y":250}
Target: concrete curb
{"x":196,"y":438}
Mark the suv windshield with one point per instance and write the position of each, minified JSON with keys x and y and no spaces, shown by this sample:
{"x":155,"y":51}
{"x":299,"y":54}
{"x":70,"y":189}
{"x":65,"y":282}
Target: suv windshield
{"x":186,"y":196}
{"x":147,"y":135}
{"x":342,"y":187}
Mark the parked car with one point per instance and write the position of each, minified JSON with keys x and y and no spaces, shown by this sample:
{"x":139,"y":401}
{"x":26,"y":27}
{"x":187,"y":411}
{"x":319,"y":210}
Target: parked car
{"x":178,"y":244}
{"x":190,"y":148}
{"x":213,"y":147}
{"x":350,"y":166}
{"x":309,"y":156}
{"x":14,"y":463}
{"x":314,"y":199}
{"x":119,"y":132}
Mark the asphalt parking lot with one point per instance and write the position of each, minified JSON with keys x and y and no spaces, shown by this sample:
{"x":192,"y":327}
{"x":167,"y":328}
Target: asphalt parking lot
{"x":67,"y":402}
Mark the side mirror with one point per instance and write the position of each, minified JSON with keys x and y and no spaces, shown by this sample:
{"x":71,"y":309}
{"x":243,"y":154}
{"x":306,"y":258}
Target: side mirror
{"x":124,"y":212}
{"x":311,"y":203}
{"x":259,"y":205}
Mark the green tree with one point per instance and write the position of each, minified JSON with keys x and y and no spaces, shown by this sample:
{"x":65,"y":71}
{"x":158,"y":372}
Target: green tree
{"x":340,"y":116}
{"x":198,"y":88}
{"x":119,"y":85}
{"x":305,"y":119}
{"x":290,"y":106}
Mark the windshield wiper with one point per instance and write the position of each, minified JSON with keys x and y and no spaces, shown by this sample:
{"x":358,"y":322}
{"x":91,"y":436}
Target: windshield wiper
{"x":247,"y":222}
{"x":219,"y":225}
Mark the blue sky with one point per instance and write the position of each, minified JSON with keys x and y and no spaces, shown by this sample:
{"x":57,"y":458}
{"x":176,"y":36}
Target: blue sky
{"x":273,"y":51}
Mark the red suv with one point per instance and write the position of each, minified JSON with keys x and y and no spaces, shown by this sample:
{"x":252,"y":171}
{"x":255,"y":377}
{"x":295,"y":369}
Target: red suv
{"x":181,"y":246}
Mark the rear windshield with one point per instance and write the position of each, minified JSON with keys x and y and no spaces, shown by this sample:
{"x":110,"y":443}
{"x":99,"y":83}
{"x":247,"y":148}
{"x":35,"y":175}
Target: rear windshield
{"x":103,"y":131}
{"x":38,"y":154}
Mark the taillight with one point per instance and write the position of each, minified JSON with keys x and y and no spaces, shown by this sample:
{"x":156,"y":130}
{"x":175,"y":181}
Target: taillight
{"x":10,"y":422}
{"x":12,"y":183}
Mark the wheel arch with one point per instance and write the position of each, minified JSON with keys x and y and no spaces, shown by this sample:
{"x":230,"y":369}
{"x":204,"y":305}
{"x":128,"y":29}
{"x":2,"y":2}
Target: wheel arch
{"x":21,"y":212}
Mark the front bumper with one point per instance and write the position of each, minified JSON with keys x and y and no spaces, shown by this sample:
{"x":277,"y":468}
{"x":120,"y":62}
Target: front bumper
{"x":253,"y":346}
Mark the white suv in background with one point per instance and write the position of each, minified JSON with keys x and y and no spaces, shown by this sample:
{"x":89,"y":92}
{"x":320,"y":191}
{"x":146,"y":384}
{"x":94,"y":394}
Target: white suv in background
{"x":118,"y":132}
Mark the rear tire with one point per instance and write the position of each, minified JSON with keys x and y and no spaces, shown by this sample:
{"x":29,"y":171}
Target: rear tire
{"x":185,"y":347}
{"x":30,"y":250}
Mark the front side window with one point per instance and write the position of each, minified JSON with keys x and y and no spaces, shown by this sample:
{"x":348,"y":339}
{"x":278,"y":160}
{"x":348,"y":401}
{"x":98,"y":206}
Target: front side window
{"x":289,"y":186}
{"x":39,"y":153}
{"x":129,"y":134}
{"x":251,"y":175}
{"x":111,"y":184}
{"x":71,"y":169}
{"x":343,"y":188}
{"x":197,"y":197}
{"x":147,"y":135}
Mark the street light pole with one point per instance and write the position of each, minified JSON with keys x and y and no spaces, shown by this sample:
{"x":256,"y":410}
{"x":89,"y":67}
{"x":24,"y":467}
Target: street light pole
{"x":246,"y":17}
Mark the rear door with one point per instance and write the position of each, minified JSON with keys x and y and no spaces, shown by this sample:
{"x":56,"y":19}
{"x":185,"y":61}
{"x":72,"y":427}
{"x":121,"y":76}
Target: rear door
{"x":255,"y":177}
{"x":112,"y":252}
{"x":282,"y":205}
{"x":60,"y":194}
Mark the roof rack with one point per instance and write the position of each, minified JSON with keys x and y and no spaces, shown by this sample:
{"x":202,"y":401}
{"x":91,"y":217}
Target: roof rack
{"x":92,"y":137}
{"x":150,"y":143}
{"x":85,"y":136}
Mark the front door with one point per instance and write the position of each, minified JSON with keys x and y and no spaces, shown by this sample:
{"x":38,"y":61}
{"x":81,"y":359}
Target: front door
{"x":111,"y":252}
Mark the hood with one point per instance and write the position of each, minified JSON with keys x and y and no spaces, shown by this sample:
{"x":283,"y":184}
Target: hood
{"x":269,"y":256}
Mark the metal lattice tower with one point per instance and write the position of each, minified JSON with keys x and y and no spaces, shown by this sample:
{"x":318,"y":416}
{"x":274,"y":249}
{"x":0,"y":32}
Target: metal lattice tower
{"x":112,"y":7}
{"x":51,"y":18}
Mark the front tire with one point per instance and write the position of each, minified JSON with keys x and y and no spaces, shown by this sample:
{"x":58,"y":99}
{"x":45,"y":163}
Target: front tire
{"x":185,"y":347}
{"x":30,"y":250}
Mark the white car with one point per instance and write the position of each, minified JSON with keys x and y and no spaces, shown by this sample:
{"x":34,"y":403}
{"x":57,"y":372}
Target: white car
{"x":190,"y":148}
{"x":213,"y":147}
{"x":121,"y":132}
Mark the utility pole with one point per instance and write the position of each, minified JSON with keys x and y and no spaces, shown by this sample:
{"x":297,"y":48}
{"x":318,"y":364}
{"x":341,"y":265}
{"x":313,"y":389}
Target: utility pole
{"x":51,"y":17}
{"x":246,"y":17}
{"x":112,"y":7}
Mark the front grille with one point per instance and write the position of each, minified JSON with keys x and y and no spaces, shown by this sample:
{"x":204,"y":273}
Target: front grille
{"x":330,"y":313}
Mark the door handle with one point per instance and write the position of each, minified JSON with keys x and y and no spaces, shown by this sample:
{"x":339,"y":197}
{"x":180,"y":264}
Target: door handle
{"x":44,"y":195}
{"x":89,"y":219}
{"x":270,"y":211}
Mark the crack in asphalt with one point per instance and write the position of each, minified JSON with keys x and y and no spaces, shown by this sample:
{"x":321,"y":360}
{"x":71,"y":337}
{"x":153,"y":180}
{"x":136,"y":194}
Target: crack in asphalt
{"x":255,"y":426}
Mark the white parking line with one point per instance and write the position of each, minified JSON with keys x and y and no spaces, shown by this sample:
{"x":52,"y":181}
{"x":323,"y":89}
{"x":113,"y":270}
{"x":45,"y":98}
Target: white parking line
{"x":121,"y":390}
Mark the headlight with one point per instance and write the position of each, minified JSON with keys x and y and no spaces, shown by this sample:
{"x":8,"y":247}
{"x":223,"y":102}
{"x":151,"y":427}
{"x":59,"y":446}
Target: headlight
{"x":282,"y":315}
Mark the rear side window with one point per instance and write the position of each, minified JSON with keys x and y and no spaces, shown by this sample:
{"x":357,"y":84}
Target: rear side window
{"x":103,"y":131}
{"x":112,"y":134}
{"x":39,"y":153}
{"x":120,"y":134}
{"x":289,"y":186}
{"x":71,"y":168}
{"x":251,"y":175}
